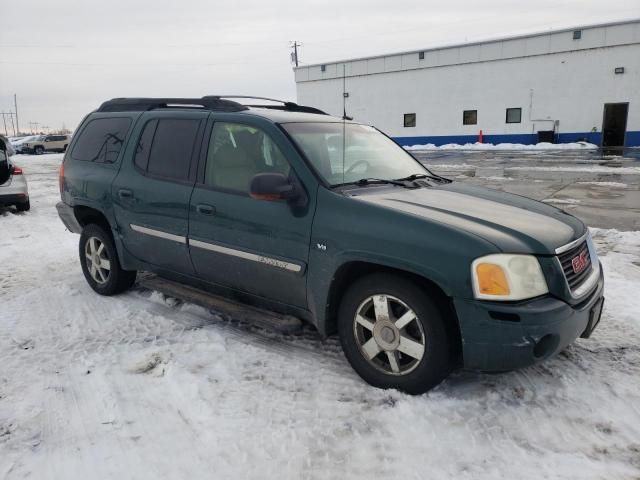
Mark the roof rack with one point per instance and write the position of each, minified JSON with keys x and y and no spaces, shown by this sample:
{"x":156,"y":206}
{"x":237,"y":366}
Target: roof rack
{"x":137,"y":104}
{"x":289,"y":106}
{"x":219,"y":103}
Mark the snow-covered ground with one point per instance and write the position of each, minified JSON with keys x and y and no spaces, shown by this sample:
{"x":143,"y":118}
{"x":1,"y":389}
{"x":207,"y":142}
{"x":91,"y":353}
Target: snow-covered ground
{"x":136,"y":386}
{"x":505,"y":146}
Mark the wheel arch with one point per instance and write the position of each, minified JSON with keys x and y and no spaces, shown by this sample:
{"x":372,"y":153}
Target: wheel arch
{"x":351,"y":271}
{"x":87,"y":215}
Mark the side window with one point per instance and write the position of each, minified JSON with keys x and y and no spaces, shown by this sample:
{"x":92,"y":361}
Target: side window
{"x":101,"y":140}
{"x":238,"y":152}
{"x":171,"y":147}
{"x":143,"y":148}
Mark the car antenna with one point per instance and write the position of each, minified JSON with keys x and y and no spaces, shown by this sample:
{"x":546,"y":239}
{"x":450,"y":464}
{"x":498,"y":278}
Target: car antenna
{"x":344,"y":116}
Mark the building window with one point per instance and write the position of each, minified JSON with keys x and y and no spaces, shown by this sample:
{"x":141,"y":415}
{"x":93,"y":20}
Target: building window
{"x":619,"y":70}
{"x":409,"y":119}
{"x":577,"y":34}
{"x":420,"y":55}
{"x":323,"y":68}
{"x":470,"y":117}
{"x":514,"y":115}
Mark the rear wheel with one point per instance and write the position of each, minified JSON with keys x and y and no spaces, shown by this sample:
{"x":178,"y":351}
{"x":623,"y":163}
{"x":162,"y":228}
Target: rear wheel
{"x":393,"y":334}
{"x":100,"y":263}
{"x":23,"y":207}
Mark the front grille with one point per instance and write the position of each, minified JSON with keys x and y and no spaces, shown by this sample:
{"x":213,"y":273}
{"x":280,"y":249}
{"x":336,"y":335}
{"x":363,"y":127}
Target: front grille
{"x":566,"y":258}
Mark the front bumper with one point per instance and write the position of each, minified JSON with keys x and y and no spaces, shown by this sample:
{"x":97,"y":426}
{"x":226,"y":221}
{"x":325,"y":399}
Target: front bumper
{"x":500,"y":337}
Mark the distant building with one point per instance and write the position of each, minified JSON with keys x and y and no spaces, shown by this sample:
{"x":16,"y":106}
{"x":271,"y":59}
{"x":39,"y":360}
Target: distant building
{"x":562,"y":86}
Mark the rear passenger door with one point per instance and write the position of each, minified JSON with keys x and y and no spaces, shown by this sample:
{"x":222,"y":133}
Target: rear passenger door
{"x":255,"y":246}
{"x":152,"y":190}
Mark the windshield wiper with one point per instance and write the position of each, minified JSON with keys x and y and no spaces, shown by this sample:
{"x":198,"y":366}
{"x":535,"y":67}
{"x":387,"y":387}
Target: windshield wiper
{"x":419,"y":176}
{"x":373,"y":181}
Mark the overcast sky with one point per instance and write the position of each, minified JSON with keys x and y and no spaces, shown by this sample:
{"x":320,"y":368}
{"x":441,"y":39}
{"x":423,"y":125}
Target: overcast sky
{"x":63,"y":58}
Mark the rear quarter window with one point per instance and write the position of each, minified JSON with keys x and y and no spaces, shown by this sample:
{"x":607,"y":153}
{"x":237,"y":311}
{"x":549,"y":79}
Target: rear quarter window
{"x":101,"y":140}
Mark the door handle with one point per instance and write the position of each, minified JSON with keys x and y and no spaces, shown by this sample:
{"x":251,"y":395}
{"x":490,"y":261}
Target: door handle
{"x":124,"y":193}
{"x":205,"y":209}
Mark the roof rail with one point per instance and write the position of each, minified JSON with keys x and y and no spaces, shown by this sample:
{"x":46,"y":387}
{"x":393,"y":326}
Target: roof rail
{"x":219,"y":103}
{"x":289,"y":106}
{"x":138,"y":104}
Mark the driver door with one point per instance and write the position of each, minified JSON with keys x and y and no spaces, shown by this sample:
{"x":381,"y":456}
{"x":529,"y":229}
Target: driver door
{"x":255,"y":246}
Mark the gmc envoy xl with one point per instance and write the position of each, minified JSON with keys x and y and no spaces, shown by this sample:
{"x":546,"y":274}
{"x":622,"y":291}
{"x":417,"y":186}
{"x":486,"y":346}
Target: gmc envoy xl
{"x":285,"y":209}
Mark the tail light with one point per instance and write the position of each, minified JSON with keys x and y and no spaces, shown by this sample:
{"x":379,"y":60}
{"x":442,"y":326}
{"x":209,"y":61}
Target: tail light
{"x":17,"y":171}
{"x":61,"y":177}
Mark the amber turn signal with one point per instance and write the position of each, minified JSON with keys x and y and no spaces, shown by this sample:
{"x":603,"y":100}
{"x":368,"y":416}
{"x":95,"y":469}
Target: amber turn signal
{"x":492,"y":279}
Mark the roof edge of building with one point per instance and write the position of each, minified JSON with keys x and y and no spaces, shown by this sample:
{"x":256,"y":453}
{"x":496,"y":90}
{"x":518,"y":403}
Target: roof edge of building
{"x":470,"y":44}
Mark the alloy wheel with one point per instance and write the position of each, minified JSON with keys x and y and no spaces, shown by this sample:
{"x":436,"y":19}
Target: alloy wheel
{"x":98,"y":262}
{"x":389,"y":334}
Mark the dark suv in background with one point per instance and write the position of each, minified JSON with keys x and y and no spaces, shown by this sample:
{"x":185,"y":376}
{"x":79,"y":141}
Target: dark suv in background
{"x":293,"y":211}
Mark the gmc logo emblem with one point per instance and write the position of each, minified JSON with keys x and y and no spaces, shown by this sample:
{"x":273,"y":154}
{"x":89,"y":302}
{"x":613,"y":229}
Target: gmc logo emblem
{"x":580,"y":262}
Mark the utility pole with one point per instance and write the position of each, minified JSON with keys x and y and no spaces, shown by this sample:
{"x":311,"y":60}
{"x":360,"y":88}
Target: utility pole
{"x":294,"y":54}
{"x":10,"y":119}
{"x":15,"y":103}
{"x":4,"y":120}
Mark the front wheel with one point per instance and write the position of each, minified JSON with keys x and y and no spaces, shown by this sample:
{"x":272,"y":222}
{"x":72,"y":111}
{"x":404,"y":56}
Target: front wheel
{"x":393,"y":334}
{"x":100,"y":264}
{"x":38,"y":150}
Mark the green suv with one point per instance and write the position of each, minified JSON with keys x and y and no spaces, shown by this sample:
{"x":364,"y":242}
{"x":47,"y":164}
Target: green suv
{"x":289,"y":210}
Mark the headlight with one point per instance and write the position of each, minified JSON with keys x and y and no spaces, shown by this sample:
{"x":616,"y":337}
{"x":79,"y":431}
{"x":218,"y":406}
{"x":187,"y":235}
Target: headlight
{"x":507,"y":277}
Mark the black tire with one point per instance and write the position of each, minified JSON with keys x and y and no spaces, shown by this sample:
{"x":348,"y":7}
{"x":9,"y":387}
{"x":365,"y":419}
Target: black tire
{"x":23,"y":207}
{"x":436,"y":361}
{"x":64,"y":149}
{"x":38,"y":150}
{"x":117,"y":280}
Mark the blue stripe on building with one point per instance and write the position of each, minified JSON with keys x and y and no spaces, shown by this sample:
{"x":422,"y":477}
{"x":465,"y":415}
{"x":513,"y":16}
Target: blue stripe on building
{"x":632,"y":139}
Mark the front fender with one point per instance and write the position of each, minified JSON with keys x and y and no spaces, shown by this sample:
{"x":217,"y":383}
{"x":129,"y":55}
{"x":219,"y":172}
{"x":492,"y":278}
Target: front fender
{"x":348,"y":230}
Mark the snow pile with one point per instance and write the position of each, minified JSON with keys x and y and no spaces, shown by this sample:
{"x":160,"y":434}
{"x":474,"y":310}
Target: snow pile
{"x":134,"y":386}
{"x":506,"y":146}
{"x":605,"y":184}
{"x":586,"y":168}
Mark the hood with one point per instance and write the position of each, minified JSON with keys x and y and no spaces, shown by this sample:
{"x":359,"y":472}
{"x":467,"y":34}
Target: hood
{"x":512,"y":223}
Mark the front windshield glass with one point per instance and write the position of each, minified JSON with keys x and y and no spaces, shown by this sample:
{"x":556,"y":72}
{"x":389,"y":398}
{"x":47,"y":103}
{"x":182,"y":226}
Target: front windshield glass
{"x":348,"y":152}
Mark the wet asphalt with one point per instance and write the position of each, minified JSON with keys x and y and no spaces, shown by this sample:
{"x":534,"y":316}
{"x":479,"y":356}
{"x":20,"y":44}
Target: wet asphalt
{"x":602,"y":188}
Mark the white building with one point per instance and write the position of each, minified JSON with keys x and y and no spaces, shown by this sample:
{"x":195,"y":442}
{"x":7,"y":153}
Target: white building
{"x":573,"y":84}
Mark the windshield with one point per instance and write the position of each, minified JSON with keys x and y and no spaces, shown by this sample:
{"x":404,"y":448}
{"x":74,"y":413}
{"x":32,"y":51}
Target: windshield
{"x":348,"y":152}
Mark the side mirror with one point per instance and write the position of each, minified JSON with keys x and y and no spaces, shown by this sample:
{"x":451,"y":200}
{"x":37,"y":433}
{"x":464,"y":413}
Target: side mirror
{"x":272,"y":186}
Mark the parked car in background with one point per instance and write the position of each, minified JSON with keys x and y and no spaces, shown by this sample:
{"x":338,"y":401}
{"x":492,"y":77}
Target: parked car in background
{"x":5,"y":144}
{"x":17,"y":142}
{"x":300,"y":213}
{"x":46,"y":143}
{"x":13,"y":184}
